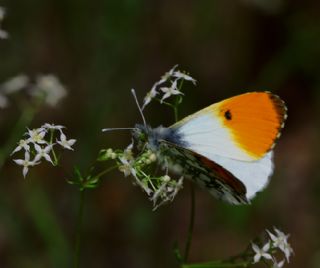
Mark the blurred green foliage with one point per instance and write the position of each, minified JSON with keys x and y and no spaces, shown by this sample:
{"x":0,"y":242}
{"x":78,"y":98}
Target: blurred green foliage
{"x":100,"y":50}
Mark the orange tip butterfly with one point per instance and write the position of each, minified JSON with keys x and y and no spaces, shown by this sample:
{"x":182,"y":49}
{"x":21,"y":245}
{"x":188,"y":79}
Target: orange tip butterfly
{"x":226,"y":148}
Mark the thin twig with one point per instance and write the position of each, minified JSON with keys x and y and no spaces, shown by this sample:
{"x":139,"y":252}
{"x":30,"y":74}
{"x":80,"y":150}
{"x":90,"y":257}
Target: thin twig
{"x":79,"y":231}
{"x":191,"y":224}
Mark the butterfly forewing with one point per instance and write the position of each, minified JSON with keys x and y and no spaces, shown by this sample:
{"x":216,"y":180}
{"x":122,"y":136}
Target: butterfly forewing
{"x":243,"y":127}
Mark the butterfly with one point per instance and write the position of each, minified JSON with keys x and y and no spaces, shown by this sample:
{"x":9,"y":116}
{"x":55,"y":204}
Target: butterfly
{"x":226,"y":148}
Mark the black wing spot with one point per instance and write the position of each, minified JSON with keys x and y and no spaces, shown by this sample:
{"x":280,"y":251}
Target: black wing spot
{"x":228,"y":115}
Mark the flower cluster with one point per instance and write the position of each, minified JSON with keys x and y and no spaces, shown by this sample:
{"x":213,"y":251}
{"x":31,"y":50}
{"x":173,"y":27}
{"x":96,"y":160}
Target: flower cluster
{"x":160,"y":188}
{"x":39,"y":143}
{"x":278,"y":241}
{"x":172,"y":78}
{"x":48,"y":87}
{"x":3,"y":33}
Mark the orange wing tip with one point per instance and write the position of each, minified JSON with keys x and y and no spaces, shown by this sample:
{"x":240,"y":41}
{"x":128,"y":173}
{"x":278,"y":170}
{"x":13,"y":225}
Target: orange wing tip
{"x":255,"y":120}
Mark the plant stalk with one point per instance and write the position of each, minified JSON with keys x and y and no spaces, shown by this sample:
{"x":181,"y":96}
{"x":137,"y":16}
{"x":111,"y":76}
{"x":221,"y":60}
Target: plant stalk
{"x":79,"y":231}
{"x":191,"y":224}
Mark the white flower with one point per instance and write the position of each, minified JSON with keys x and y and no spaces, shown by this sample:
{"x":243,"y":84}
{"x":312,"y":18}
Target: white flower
{"x":150,"y":95}
{"x":184,"y":76}
{"x":53,"y":126}
{"x":169,"y":91}
{"x":4,"y":102}
{"x":167,"y":75}
{"x":3,"y":33}
{"x":280,"y":240}
{"x":261,"y":252}
{"x":26,"y":163}
{"x":43,"y":153}
{"x":66,"y":143}
{"x":22,"y":144}
{"x":177,"y":187}
{"x":2,"y":13}
{"x":37,"y":135}
{"x":15,"y":84}
{"x":161,"y":191}
{"x":126,"y":167}
{"x":52,"y":88}
{"x":277,"y":264}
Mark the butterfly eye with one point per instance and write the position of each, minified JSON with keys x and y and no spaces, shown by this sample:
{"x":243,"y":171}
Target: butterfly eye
{"x":228,"y":115}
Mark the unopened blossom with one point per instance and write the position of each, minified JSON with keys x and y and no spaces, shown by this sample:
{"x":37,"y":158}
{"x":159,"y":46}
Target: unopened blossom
{"x":22,"y":144}
{"x":43,"y":153}
{"x":66,"y":143}
{"x":37,"y":135}
{"x":261,"y":252}
{"x":111,"y":154}
{"x":15,"y":84}
{"x":26,"y":163}
{"x":184,"y":76}
{"x":51,"y":87}
{"x":169,"y":91}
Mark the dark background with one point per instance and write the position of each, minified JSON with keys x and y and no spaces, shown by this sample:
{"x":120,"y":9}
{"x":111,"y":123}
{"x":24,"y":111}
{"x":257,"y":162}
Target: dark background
{"x":100,"y":50}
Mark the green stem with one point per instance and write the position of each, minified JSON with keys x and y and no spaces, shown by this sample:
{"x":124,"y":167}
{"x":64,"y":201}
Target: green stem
{"x":79,"y":231}
{"x":191,"y":224}
{"x":176,"y":116}
{"x":99,"y":175}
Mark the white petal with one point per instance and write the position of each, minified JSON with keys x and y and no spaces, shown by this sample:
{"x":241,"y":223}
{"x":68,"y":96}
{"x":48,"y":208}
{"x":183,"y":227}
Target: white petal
{"x":26,"y":156}
{"x":256,"y":258}
{"x":37,"y":157}
{"x":63,"y":137}
{"x":48,"y":158}
{"x":267,"y":256}
{"x":25,"y":171}
{"x":71,"y":142}
{"x":165,"y":96}
{"x":165,"y":89}
{"x":38,"y":148}
{"x":17,"y":149}
{"x":19,"y":161}
{"x":266,"y":247}
{"x":48,"y":148}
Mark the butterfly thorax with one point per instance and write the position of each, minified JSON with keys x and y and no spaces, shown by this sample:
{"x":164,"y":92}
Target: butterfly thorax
{"x":153,"y":137}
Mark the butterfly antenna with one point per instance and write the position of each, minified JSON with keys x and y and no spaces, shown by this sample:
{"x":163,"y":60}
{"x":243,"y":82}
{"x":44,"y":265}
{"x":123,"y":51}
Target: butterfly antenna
{"x":139,"y":107}
{"x":118,"y":128}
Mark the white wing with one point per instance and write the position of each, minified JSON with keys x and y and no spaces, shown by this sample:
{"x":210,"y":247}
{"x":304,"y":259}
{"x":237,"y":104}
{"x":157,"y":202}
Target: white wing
{"x":205,"y":135}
